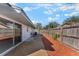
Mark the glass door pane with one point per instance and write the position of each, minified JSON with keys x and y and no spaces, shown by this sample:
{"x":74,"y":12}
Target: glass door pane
{"x":6,"y":35}
{"x":17,"y":38}
{"x":10,"y":34}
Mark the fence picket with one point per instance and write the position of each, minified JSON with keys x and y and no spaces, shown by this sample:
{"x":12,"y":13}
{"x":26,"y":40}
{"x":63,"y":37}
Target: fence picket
{"x":69,"y":35}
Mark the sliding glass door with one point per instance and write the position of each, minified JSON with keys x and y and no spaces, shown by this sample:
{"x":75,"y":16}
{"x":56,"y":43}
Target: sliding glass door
{"x":17,"y":37}
{"x":6,"y":35}
{"x":10,"y":34}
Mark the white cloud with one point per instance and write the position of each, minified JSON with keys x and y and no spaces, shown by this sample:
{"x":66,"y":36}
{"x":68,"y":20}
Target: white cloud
{"x":76,"y":10}
{"x":51,"y":19}
{"x":44,"y":5}
{"x":54,"y":10}
{"x":37,"y":6}
{"x":30,"y":8}
{"x":77,"y":7}
{"x":27,"y":9}
{"x":47,"y":7}
{"x":71,"y":14}
{"x":57,"y":15}
{"x":59,"y":4}
{"x":66,"y":14}
{"x":50,"y":8}
{"x":35,"y":21}
{"x":48,"y":12}
{"x":65,"y":7}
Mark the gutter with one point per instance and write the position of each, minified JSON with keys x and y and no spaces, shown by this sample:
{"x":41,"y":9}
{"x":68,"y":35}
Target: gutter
{"x":23,"y":13}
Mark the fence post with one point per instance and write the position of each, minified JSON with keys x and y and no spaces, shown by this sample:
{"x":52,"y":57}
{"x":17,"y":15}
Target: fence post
{"x":61,"y":35}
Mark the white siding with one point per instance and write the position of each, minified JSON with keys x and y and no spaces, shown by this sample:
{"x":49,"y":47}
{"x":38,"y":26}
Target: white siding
{"x":25,"y":34}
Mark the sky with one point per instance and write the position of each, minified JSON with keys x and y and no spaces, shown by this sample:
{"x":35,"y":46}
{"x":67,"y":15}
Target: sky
{"x":47,"y":12}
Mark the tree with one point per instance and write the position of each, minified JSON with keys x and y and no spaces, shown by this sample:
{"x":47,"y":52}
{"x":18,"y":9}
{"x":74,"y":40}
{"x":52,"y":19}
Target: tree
{"x":45,"y":27}
{"x":71,"y":20}
{"x":38,"y":26}
{"x":51,"y":25}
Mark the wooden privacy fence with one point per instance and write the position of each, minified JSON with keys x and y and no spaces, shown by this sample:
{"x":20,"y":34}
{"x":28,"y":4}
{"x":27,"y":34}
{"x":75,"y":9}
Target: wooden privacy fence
{"x":69,"y":35}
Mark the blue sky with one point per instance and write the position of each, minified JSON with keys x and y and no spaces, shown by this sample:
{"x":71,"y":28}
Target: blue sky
{"x":45,"y":13}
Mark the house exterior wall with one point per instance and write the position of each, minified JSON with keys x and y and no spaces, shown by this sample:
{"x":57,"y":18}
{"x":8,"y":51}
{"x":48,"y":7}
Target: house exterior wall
{"x":25,"y":34}
{"x":20,"y":26}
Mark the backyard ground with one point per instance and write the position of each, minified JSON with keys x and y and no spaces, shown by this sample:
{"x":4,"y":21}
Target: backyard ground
{"x":57,"y":48}
{"x":43,"y":45}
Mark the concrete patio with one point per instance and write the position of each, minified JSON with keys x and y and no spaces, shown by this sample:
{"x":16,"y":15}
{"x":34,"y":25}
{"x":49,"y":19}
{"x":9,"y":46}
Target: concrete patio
{"x":33,"y":47}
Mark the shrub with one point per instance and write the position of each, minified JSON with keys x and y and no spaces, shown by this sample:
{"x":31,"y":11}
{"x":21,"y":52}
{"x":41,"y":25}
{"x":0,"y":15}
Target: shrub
{"x":55,"y":36}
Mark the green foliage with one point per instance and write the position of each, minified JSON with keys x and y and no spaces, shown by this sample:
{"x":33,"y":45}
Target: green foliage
{"x":71,"y":20}
{"x":51,"y":25}
{"x":38,"y":26}
{"x":55,"y":36}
